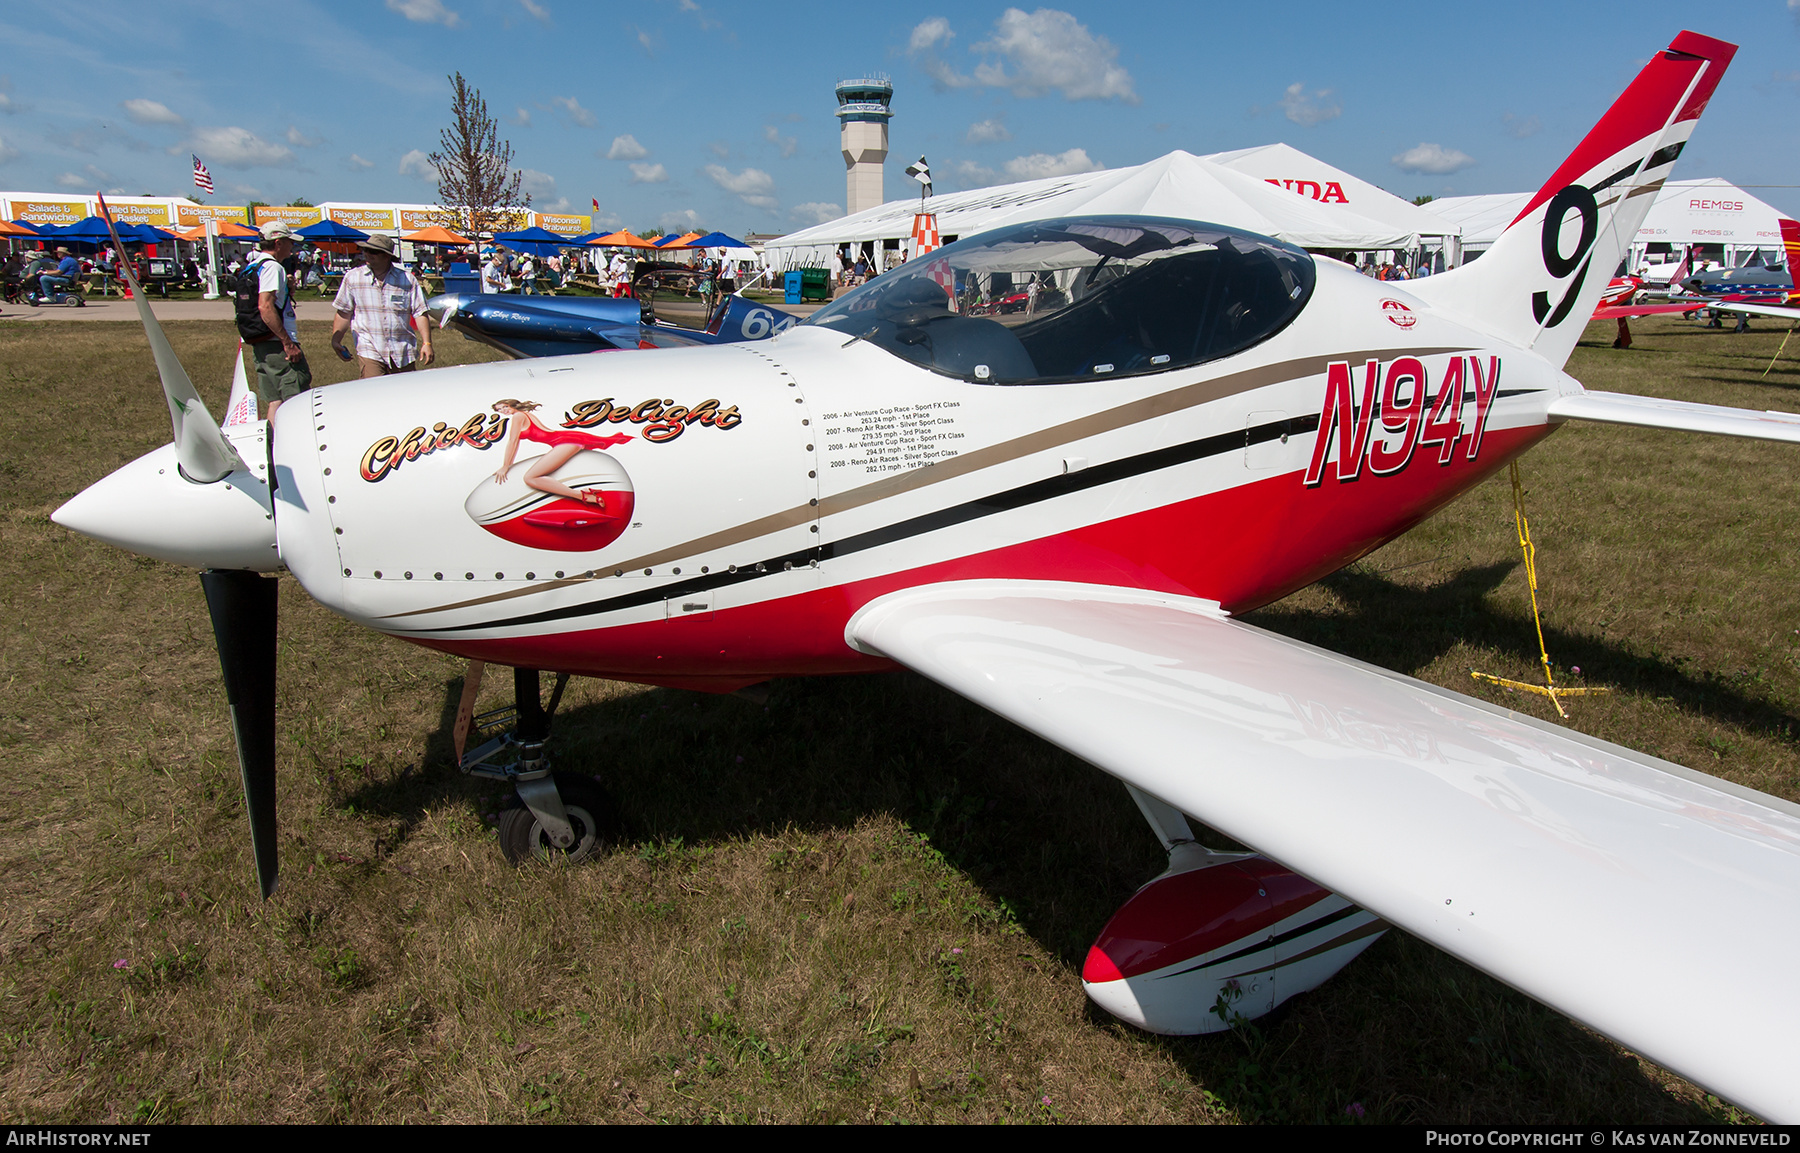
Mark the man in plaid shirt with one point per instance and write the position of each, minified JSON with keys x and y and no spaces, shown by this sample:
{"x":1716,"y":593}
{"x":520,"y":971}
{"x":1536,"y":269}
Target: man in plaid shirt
{"x":384,"y":306}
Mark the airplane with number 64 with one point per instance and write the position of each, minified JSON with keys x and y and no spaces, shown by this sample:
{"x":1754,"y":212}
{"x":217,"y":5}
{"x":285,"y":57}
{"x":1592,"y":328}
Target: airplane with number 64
{"x":1059,"y":510}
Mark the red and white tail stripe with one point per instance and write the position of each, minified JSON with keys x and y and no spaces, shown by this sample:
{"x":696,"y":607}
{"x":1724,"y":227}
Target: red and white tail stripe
{"x":1540,"y":281}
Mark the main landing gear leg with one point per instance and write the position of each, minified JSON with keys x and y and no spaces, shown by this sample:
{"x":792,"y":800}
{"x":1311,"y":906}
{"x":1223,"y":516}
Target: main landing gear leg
{"x":563,"y":815}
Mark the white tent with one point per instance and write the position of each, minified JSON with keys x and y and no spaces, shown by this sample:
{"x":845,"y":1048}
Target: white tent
{"x":1294,"y":171}
{"x":1481,"y":218}
{"x":1180,"y":185}
{"x":1709,"y":211}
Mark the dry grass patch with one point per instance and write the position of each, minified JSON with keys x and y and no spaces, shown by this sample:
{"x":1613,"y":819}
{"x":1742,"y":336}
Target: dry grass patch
{"x":865,"y":901}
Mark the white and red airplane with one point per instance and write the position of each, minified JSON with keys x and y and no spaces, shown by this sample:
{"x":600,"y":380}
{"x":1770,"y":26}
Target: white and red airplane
{"x":1057,"y":511}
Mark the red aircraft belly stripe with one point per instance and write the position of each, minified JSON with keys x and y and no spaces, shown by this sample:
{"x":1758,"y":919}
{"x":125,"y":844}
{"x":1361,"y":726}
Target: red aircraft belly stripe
{"x":1243,"y":546}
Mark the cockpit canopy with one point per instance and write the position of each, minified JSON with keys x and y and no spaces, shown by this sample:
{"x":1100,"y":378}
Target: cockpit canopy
{"x":1080,"y":299}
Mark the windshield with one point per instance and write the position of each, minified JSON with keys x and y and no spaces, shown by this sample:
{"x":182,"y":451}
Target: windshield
{"x":1079,"y":299}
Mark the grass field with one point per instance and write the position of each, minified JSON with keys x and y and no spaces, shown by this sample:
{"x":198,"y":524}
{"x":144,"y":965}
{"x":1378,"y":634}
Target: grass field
{"x":865,"y":901}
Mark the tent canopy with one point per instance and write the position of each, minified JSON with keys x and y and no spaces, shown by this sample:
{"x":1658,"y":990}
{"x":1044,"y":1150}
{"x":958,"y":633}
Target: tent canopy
{"x":1710,"y":211}
{"x":1179,"y":185}
{"x":436,"y":235}
{"x":535,"y":241}
{"x":1482,"y":218}
{"x":620,"y":239}
{"x":330,"y":230}
{"x":1286,"y":167}
{"x":718,"y":240}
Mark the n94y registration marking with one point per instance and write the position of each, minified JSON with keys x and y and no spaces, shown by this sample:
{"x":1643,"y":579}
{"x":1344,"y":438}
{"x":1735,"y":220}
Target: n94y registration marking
{"x":1399,"y":415}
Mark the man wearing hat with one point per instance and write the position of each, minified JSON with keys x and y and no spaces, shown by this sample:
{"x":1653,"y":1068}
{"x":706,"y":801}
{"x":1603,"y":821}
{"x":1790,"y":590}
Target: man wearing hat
{"x":385,"y":307}
{"x":270,"y":326}
{"x":67,"y":269}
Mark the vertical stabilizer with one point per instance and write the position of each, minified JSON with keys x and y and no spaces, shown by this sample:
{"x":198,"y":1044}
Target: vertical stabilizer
{"x":1541,"y":280}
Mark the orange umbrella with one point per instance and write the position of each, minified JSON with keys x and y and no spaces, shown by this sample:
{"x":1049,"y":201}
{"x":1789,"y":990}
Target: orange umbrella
{"x":8,"y":228}
{"x":435,"y":235}
{"x":620,"y":239}
{"x":228,"y":230}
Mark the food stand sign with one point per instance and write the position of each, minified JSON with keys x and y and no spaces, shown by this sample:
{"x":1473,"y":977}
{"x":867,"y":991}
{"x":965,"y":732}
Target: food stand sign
{"x":291,"y":216}
{"x":49,"y":211}
{"x":192,"y":214}
{"x":414,"y":219}
{"x":139,"y":213}
{"x":563,"y":223}
{"x":367,"y":219}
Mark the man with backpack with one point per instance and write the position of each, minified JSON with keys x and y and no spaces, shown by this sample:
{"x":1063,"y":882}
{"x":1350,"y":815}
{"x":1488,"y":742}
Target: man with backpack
{"x":266,"y":319}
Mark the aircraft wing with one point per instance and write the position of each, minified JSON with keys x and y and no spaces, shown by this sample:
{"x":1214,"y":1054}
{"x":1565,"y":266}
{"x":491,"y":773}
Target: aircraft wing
{"x":1614,"y":311}
{"x":1761,"y":310}
{"x":1656,"y":904}
{"x":1654,"y":412}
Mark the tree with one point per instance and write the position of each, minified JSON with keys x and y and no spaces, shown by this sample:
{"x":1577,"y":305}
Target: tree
{"x":1423,"y":199}
{"x":475,"y":167}
{"x":300,"y":202}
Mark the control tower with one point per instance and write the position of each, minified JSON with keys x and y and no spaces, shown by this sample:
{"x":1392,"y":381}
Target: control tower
{"x":863,"y":118}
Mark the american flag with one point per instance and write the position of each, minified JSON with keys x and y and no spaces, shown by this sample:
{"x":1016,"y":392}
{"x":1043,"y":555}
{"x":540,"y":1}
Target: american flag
{"x":202,"y":178}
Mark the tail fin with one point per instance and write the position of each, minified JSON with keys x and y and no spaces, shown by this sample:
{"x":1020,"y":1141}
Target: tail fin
{"x":1539,"y":283}
{"x":241,"y":408}
{"x":738,"y":319}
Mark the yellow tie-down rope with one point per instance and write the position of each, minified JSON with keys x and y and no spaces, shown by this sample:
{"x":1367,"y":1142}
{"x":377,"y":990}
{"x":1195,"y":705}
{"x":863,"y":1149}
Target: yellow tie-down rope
{"x":1548,"y":688}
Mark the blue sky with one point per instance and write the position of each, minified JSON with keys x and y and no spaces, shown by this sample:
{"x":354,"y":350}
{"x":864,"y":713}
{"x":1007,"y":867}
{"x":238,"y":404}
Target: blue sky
{"x":715,"y":113}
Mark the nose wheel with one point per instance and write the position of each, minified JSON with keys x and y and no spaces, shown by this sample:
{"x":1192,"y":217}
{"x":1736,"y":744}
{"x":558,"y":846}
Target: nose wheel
{"x":590,"y":811}
{"x":563,"y":816}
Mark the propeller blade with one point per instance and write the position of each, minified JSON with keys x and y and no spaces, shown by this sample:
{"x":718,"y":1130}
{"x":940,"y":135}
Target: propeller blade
{"x":242,"y":605}
{"x":205,"y":455}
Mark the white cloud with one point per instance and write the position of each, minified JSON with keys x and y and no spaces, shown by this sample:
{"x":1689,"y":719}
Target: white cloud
{"x":577,"y":113}
{"x":522,"y":117}
{"x":239,"y":146}
{"x":7,"y":103}
{"x":719,"y":148}
{"x":300,"y":139}
{"x":987,"y":131}
{"x":680,"y":221}
{"x":536,"y":183}
{"x":560,"y":204}
{"x":1031,"y":54}
{"x":1433,"y":158}
{"x":929,"y":34}
{"x":70,"y":180}
{"x":7,"y":153}
{"x":1042,"y":164}
{"x":140,"y":111}
{"x":970,"y":174}
{"x":648,"y":174}
{"x":626,"y":147}
{"x":417,"y":163}
{"x":752,"y":185}
{"x":356,"y":161}
{"x":1519,"y":127}
{"x":1307,"y":109}
{"x":815,"y":212}
{"x":425,"y":12}
{"x":787,"y":144}
{"x":538,"y":11}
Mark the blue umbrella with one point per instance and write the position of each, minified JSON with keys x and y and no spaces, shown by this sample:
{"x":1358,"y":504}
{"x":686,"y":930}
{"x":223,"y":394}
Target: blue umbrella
{"x":330,"y":230}
{"x":716,"y":240}
{"x":38,"y":229}
{"x":91,"y":230}
{"x":536,"y":241}
{"x":143,"y":234}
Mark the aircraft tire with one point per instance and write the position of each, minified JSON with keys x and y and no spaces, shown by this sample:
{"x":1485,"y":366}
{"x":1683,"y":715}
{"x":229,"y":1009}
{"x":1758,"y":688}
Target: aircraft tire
{"x":591,"y":810}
